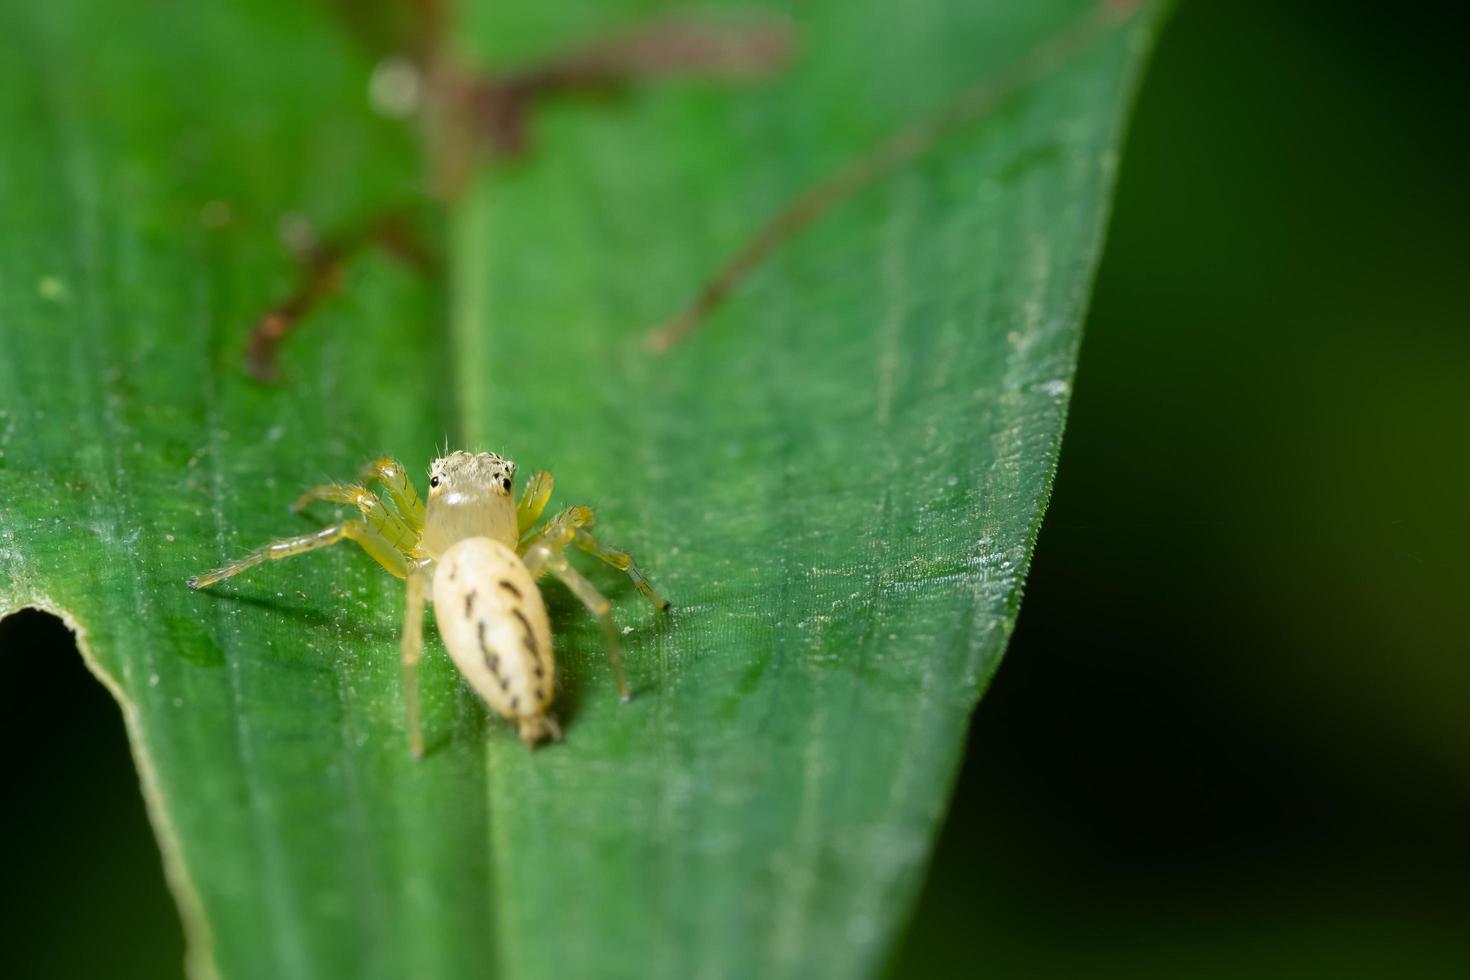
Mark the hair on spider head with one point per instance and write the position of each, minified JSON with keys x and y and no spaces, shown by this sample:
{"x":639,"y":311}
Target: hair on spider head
{"x":473,"y":472}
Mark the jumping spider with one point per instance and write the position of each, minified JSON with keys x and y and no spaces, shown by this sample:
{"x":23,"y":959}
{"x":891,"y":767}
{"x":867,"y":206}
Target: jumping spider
{"x":478,"y":554}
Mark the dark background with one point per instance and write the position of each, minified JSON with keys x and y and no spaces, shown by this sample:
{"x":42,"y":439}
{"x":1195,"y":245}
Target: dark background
{"x":1231,"y":733}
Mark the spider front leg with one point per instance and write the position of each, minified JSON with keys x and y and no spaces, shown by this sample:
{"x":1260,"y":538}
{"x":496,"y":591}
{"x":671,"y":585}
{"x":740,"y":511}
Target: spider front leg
{"x":419,"y":578}
{"x":363,"y":533}
{"x":392,"y":527}
{"x":622,"y":561}
{"x":394,"y":478}
{"x":571,"y":527}
{"x":533,"y":501}
{"x":546,"y":556}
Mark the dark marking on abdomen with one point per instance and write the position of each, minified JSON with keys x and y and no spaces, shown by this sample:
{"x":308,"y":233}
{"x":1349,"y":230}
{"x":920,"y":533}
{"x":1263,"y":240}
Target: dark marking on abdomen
{"x":492,"y":660}
{"x":469,"y":602}
{"x":510,"y":587}
{"x":528,"y":638}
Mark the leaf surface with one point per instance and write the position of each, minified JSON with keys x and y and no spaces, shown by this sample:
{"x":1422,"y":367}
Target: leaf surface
{"x":837,"y":479}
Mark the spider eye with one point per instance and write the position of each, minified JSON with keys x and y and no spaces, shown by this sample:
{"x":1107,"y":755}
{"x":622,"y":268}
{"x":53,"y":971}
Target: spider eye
{"x":434,"y":482}
{"x":505,"y":483}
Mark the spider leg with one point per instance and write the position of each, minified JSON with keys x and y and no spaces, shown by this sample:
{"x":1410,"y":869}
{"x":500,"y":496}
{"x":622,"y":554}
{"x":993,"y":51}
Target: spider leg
{"x":395,"y":480}
{"x":392,"y":527}
{"x":546,"y":557}
{"x":570,"y":527}
{"x":413,"y":646}
{"x":363,"y":533}
{"x":533,"y":501}
{"x":623,"y":562}
{"x":558,"y":531}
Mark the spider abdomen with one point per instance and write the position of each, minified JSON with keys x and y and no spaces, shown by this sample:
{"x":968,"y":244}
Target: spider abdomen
{"x":493,"y":622}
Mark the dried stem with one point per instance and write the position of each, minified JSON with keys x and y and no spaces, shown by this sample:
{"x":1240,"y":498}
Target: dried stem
{"x":321,"y":276}
{"x":466,"y":114}
{"x":968,"y":106}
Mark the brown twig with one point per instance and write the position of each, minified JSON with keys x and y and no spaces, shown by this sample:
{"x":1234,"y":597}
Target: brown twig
{"x":968,"y":106}
{"x":465,"y":113}
{"x":321,"y":276}
{"x":499,"y":105}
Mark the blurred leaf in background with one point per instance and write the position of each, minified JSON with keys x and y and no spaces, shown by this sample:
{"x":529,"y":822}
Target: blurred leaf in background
{"x":838,"y":480}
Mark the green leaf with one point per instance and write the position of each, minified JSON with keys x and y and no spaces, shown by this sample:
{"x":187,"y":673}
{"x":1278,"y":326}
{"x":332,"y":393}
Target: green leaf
{"x":837,"y":479}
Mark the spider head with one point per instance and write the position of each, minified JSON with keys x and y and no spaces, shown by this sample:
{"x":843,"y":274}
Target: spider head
{"x":461,"y":477}
{"x":470,"y":496}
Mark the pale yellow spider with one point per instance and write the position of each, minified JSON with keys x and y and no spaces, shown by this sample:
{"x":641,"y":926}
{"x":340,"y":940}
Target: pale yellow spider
{"x":480,"y":553}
